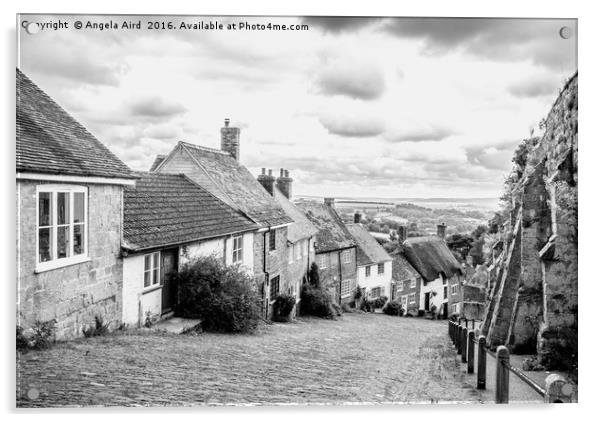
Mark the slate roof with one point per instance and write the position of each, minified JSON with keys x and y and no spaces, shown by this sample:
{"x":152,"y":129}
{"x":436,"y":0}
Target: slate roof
{"x":235,"y":185}
{"x":169,"y":209}
{"x":49,"y":140}
{"x":332,"y":231}
{"x":369,"y":251}
{"x":158,"y":160}
{"x":430,"y":256}
{"x":402,"y":269}
{"x":302,"y":228}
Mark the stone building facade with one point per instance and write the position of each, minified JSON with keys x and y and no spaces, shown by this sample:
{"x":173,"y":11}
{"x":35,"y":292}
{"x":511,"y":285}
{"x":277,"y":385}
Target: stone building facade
{"x":69,"y":219}
{"x":532,"y":304}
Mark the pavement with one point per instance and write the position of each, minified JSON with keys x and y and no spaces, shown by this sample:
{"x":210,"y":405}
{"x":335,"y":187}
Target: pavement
{"x":359,"y":358}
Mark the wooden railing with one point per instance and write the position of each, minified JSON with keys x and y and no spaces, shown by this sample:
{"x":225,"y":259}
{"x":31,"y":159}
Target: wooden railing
{"x":557,"y":388}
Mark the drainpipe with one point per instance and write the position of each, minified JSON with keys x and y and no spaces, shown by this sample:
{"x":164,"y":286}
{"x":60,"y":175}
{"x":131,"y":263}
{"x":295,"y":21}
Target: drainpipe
{"x":340,"y":278}
{"x":266,"y":274}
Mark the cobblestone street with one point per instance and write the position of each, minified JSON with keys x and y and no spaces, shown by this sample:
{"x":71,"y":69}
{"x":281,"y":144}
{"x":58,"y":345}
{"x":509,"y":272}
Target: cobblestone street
{"x":358,"y":358}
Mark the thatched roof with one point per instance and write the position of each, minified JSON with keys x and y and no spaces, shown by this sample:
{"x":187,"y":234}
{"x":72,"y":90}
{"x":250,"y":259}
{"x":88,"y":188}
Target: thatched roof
{"x":430,"y":256}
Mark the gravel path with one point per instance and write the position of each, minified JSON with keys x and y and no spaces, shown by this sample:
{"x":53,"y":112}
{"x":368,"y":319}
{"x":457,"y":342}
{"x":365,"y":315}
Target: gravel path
{"x":367,"y":358}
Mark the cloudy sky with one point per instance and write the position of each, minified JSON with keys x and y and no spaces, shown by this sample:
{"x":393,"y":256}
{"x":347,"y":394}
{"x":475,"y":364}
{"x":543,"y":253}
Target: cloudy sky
{"x":374,"y":107}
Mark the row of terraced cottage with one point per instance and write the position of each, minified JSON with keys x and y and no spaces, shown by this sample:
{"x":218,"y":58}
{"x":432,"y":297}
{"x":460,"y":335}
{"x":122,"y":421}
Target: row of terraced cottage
{"x":95,"y":238}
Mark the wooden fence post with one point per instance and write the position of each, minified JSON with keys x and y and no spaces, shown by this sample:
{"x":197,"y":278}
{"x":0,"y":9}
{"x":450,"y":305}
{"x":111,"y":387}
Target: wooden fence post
{"x":459,"y":343}
{"x":502,"y":375}
{"x":464,"y":344}
{"x":482,"y":364}
{"x":558,"y":390}
{"x":470,"y":352}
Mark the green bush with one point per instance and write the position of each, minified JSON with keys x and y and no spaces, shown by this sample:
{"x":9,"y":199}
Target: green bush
{"x":393,"y":308}
{"x":225,"y":298}
{"x":42,"y":335}
{"x":282,"y":307}
{"x":316,"y":301}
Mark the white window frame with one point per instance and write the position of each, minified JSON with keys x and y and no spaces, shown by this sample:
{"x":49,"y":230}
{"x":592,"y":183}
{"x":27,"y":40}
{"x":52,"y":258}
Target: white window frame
{"x":404,"y":301}
{"x":346,"y":288}
{"x":155,"y":264}
{"x":399,"y":287}
{"x":412,"y":297}
{"x":291,"y":256}
{"x":378,"y":267}
{"x":346,"y":256}
{"x":239,"y":250}
{"x":412,"y":283}
{"x":298,"y":251}
{"x":367,"y":271}
{"x":322,"y":264}
{"x":454,"y":289}
{"x":380,"y":291}
{"x":55,"y":262}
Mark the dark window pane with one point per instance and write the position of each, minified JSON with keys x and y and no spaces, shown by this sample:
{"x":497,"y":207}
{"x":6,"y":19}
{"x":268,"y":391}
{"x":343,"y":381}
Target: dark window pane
{"x":62,"y":208}
{"x":62,"y":244}
{"x":78,"y":239}
{"x":45,"y":209}
{"x":147,"y":278}
{"x":78,"y":207}
{"x":147,"y":262}
{"x":45,"y":245}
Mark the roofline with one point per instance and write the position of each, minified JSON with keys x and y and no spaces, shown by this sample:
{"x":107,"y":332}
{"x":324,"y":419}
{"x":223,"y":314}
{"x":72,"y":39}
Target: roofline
{"x":132,"y":250}
{"x":336,"y":249}
{"x":59,"y":177}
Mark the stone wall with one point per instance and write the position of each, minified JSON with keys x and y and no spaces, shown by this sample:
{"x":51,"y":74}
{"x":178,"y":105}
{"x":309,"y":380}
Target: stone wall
{"x":72,"y":295}
{"x":532,"y":303}
{"x":337,"y":270}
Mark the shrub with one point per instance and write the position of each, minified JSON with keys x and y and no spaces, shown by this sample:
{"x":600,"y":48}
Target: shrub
{"x":316,"y":301}
{"x":225,"y":298}
{"x":282,"y":308}
{"x":314,"y":275}
{"x":43,"y":335}
{"x":22,"y":341}
{"x":393,"y":308}
{"x":367,"y":305}
{"x":380,"y":301}
{"x":98,"y":329}
{"x":358,"y":293}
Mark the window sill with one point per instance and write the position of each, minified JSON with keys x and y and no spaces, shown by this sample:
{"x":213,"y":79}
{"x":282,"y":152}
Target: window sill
{"x":151,"y":289}
{"x":60,"y":263}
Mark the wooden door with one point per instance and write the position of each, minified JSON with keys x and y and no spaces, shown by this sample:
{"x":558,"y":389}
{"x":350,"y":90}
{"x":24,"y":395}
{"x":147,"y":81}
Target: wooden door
{"x":169,"y":264}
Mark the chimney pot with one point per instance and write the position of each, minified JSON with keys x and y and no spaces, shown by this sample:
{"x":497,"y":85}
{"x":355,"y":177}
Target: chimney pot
{"x":286,"y":173}
{"x":329,"y":202}
{"x":227,"y":122}
{"x":263,"y":170}
{"x":357,"y":217}
{"x":269,"y":172}
{"x":267,"y":181}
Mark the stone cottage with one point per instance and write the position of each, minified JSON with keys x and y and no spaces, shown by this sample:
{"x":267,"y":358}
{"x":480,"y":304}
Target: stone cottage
{"x":374,"y":265}
{"x":300,"y":235}
{"x":69,"y":225}
{"x":335,"y":250}
{"x":219,"y":172}
{"x":168,"y":221}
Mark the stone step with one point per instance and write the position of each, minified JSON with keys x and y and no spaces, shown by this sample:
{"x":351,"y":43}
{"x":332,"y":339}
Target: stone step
{"x":176,"y":325}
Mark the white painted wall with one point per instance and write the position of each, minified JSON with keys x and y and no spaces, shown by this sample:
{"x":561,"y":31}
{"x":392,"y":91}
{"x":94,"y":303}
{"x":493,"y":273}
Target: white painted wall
{"x":434,"y":286}
{"x":136,"y":300}
{"x":375,"y":279}
{"x":216,"y":247}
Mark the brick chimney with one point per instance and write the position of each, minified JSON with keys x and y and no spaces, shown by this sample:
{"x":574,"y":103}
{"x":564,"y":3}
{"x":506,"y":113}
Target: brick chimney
{"x":441,"y":229}
{"x":230,"y":139}
{"x":267,"y":181}
{"x":402,"y":234}
{"x":285,"y":183}
{"x":357,"y":217}
{"x":329,"y":202}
